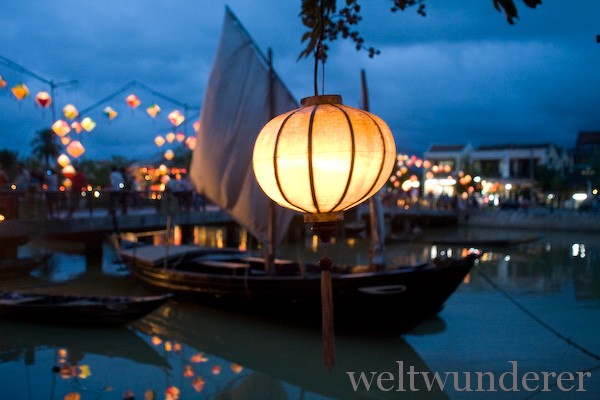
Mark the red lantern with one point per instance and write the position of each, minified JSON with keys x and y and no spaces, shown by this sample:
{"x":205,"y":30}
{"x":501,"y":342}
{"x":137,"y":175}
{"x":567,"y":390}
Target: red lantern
{"x":133,"y":101}
{"x":43,"y":99}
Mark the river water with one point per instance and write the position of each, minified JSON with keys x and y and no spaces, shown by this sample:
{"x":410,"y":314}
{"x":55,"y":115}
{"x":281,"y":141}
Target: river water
{"x":525,"y":312}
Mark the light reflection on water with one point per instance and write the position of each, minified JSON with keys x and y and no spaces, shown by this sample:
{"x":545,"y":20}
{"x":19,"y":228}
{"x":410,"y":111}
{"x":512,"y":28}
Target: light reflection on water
{"x":242,"y":358}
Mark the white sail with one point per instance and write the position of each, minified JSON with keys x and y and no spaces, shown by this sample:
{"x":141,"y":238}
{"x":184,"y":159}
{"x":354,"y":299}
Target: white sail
{"x":239,"y":100}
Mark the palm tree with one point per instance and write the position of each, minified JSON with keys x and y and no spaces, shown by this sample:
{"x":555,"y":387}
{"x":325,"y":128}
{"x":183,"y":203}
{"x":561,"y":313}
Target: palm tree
{"x":44,"y":146}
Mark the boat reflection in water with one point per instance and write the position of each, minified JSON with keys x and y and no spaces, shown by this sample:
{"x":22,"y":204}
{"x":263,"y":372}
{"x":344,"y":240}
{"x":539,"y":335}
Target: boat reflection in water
{"x":272,"y":353}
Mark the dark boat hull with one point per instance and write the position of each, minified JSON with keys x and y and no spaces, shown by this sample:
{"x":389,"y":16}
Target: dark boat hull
{"x":403,"y":296}
{"x":77,"y":310}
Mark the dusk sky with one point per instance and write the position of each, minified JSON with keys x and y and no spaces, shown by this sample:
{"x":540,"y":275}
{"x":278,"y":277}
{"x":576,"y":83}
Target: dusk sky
{"x":461,"y":74}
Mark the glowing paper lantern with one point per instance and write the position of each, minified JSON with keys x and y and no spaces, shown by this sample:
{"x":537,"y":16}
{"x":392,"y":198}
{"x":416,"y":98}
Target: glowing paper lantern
{"x":63,"y":160}
{"x":65,"y":140}
{"x":61,"y":128}
{"x":133,"y":101}
{"x":88,"y":124}
{"x":323,"y":158}
{"x":159,"y":140}
{"x":75,"y":149}
{"x":76,"y":126}
{"x":216,"y":369}
{"x":70,"y":111}
{"x":2,"y":83}
{"x":198,"y":384}
{"x":43,"y":99}
{"x":163,"y":169}
{"x":110,"y":113}
{"x":169,"y":155}
{"x":68,"y":171}
{"x":170,"y":137}
{"x":176,"y":117}
{"x":196,"y":126}
{"x":20,"y":91}
{"x":153,"y":110}
{"x":191,"y":142}
{"x":180,"y":136}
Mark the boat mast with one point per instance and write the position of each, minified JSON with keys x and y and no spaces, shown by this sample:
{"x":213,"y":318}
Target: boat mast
{"x":270,"y":254}
{"x":377,"y":223}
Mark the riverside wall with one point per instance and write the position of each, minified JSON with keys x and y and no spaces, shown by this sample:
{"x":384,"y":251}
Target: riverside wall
{"x":539,"y":219}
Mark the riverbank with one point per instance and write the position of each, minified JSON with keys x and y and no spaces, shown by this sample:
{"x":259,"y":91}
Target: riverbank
{"x":536,"y":218}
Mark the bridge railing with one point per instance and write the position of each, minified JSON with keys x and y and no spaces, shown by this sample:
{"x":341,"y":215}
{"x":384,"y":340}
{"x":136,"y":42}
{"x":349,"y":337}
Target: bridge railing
{"x":42,"y":205}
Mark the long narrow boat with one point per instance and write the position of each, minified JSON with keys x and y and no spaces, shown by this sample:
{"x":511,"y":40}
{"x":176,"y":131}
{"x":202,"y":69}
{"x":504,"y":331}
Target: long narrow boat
{"x":77,"y":310}
{"x":398,"y":297}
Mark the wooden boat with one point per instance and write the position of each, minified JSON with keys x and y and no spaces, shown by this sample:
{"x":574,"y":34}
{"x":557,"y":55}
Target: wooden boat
{"x":483,"y":242}
{"x":221,"y":170}
{"x":398,"y":297}
{"x":11,"y":268}
{"x":77,"y":310}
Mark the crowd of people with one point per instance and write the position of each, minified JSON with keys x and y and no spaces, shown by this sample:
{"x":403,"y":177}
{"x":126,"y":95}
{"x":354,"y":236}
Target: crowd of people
{"x":121,"y":194}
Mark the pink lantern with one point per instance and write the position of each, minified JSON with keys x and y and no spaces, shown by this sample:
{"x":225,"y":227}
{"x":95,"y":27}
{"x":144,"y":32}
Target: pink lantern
{"x":176,"y":117}
{"x":196,"y":126}
{"x":2,"y":83}
{"x":133,"y":101}
{"x":76,"y":126}
{"x":180,"y":136}
{"x":43,"y":99}
{"x":75,"y":149}
{"x":61,"y":128}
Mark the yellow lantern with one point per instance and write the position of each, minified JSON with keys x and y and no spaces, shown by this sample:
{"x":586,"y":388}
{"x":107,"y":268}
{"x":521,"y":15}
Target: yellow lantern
{"x":61,"y":128}
{"x":170,"y":137}
{"x":20,"y":91}
{"x":70,"y":111}
{"x":65,"y":140}
{"x":88,"y":124}
{"x":169,"y":155}
{"x":153,"y":110}
{"x":323,"y":158}
{"x":43,"y":99}
{"x":75,"y":149}
{"x":159,"y":140}
{"x":110,"y":113}
{"x":63,"y":160}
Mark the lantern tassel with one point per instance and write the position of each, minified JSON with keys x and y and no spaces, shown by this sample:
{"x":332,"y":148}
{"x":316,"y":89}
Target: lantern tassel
{"x":327,"y":313}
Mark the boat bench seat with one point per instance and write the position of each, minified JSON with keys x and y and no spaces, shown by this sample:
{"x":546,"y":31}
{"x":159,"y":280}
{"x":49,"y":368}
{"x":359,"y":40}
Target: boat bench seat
{"x":228,"y":267}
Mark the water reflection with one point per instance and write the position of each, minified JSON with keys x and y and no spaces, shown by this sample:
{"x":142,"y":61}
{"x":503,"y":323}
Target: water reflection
{"x":203,"y":353}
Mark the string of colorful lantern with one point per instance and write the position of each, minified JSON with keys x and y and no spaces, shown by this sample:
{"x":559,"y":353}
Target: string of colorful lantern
{"x":77,"y":121}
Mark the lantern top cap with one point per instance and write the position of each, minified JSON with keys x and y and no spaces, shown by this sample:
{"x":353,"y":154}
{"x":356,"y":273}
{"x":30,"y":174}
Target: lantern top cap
{"x":322,"y":99}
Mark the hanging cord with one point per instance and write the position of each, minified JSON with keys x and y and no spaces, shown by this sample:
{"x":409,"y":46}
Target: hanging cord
{"x":536,"y":318}
{"x":319,"y":55}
